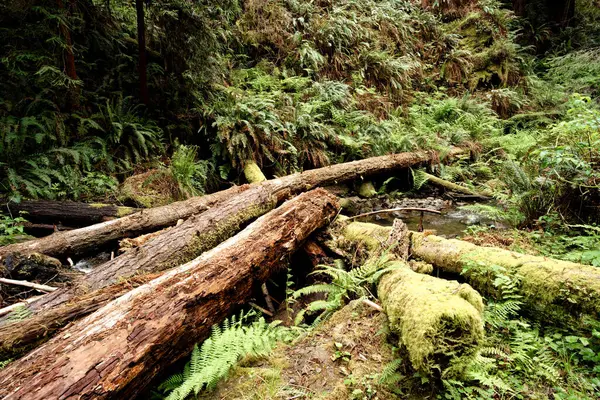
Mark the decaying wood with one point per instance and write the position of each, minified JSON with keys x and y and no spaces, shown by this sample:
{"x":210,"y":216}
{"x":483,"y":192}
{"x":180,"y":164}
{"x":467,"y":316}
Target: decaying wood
{"x":81,"y":240}
{"x":550,"y":288}
{"x":32,"y":266}
{"x":438,"y":322}
{"x":170,"y":248}
{"x":36,"y":286}
{"x":200,"y":233}
{"x":13,"y":307}
{"x":116,"y":351}
{"x":69,"y":213}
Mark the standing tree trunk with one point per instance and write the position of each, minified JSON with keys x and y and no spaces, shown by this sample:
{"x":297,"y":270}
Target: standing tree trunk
{"x":115,"y":352}
{"x":142,"y":63}
{"x":69,"y":57}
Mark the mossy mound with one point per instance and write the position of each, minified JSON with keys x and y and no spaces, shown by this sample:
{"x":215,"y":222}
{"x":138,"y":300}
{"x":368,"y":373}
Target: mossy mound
{"x":153,"y":188}
{"x":337,"y":360}
{"x":438,"y":322}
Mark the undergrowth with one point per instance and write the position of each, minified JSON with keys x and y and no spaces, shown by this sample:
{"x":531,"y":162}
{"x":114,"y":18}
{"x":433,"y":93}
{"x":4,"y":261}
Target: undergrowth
{"x":233,"y":340}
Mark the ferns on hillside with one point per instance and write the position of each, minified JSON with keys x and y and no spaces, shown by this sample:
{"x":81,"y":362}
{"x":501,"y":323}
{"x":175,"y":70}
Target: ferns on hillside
{"x":226,"y":346}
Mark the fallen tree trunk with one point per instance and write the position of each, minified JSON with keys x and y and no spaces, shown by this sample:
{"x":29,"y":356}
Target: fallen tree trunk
{"x":81,"y":240}
{"x":438,"y":322}
{"x":116,"y":351}
{"x":181,"y":244}
{"x":551,"y":288}
{"x":453,"y":186}
{"x":69,"y":213}
{"x":170,"y":248}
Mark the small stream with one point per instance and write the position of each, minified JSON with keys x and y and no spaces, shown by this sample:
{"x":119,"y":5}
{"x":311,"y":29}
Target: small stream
{"x":452,"y":222}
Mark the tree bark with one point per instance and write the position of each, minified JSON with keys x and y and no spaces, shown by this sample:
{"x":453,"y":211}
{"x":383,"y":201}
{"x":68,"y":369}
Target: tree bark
{"x":115,"y":352}
{"x":79,"y":241}
{"x":69,"y":213}
{"x":142,"y":61}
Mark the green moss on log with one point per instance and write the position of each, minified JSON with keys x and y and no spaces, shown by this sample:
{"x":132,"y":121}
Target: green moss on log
{"x":253,"y":173}
{"x":438,"y":322}
{"x":547,"y":285}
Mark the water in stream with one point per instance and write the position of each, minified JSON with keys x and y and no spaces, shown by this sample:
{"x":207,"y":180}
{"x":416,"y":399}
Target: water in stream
{"x":452,"y":222}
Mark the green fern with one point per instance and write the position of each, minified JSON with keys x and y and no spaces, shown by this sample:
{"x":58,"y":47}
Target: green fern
{"x":344,"y":286}
{"x":227,"y":345}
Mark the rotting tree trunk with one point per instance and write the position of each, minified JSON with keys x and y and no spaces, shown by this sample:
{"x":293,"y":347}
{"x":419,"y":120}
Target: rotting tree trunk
{"x":115,"y":352}
{"x":170,"y":248}
{"x":79,"y":241}
{"x":438,"y":322}
{"x":551,"y":289}
{"x":69,"y":213}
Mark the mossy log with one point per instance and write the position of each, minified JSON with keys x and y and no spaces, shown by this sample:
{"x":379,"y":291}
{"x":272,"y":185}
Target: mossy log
{"x":116,"y":351}
{"x":170,"y":248}
{"x":32,"y":266}
{"x":453,"y":186}
{"x":82,"y":240}
{"x":69,"y":213}
{"x":549,"y":287}
{"x":438,"y":322}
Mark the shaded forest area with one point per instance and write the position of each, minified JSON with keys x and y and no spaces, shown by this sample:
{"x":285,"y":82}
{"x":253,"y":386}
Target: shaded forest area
{"x":205,"y":199}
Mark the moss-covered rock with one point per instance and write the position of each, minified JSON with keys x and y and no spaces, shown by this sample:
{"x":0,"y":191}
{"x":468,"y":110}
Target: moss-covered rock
{"x":153,"y":188}
{"x":367,"y":190}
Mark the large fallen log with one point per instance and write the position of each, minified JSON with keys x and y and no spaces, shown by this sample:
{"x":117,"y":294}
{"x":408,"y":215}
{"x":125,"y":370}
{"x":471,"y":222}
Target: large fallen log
{"x":116,"y":351}
{"x":170,"y":248}
{"x":178,"y":245}
{"x":78,"y":241}
{"x":550,"y":288}
{"x":69,"y":213}
{"x":438,"y":322}
{"x":82,"y":240}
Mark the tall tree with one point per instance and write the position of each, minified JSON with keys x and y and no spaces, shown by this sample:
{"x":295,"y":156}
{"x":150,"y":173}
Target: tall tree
{"x":69,"y":55}
{"x":142,"y":64}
